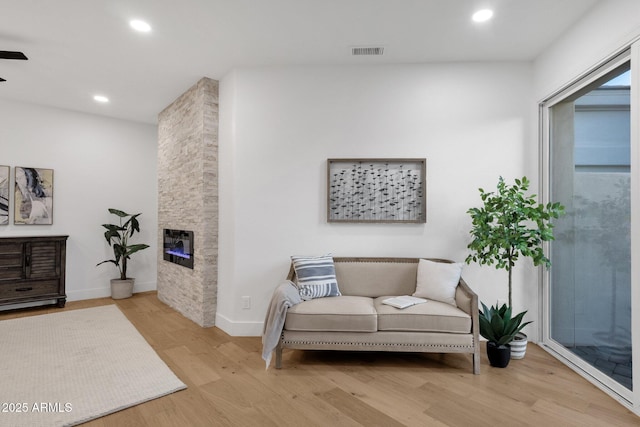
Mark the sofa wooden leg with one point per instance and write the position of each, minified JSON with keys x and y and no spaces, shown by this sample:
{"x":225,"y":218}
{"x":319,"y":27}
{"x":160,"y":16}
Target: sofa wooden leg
{"x":279,"y":355}
{"x":476,"y":362}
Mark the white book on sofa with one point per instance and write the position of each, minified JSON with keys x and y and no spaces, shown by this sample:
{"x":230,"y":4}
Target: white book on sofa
{"x":403,"y":301}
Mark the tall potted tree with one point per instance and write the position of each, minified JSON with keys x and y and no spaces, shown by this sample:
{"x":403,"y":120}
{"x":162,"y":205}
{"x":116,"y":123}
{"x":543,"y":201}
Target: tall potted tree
{"x":117,"y":235}
{"x":511,"y":224}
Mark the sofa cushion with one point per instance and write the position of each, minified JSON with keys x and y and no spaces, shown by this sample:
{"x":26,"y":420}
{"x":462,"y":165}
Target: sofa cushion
{"x":316,"y":276}
{"x":438,"y":281}
{"x":432,"y":316}
{"x":337,"y":314}
{"x":372,"y":278}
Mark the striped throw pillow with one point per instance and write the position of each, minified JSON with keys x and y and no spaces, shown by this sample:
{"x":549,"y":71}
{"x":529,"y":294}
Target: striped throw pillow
{"x":316,"y":276}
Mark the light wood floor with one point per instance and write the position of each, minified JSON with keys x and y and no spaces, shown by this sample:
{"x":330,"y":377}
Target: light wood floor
{"x":229,"y":386}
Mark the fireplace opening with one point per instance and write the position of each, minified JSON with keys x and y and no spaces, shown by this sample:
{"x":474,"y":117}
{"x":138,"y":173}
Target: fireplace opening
{"x":178,"y":247}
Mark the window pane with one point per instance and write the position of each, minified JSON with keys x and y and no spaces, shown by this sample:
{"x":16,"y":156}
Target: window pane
{"x":590,"y":285}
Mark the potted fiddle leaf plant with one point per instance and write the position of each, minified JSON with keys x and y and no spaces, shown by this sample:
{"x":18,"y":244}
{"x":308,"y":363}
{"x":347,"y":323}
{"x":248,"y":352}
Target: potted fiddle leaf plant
{"x":499,"y":328}
{"x":118,"y":235}
{"x":511,"y":224}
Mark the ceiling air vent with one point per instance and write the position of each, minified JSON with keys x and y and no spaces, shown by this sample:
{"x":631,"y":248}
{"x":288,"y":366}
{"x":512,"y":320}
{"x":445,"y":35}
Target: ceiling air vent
{"x":358,"y":51}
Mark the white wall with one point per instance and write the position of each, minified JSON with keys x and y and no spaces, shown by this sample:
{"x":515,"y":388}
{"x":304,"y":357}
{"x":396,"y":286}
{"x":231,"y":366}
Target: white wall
{"x":609,"y":26}
{"x":278,"y":126}
{"x":98,"y":163}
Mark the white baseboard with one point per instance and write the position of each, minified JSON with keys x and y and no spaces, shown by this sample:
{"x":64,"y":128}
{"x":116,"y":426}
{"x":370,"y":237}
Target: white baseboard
{"x":238,"y":329}
{"x":105,"y":291}
{"x":231,"y":327}
{"x":88,"y":294}
{"x":82,"y":294}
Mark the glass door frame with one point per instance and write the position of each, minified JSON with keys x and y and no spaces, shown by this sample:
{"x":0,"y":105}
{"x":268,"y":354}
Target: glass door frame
{"x":617,"y":391}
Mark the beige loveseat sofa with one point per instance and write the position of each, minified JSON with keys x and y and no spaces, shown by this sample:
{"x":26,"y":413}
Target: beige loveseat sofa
{"x":357,"y":320}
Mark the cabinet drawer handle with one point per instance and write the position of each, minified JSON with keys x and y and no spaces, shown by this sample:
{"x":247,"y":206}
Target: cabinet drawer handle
{"x":30,"y":288}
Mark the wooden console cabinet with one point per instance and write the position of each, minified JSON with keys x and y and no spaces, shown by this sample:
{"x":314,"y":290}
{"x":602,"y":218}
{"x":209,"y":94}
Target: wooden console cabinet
{"x":32,"y":269}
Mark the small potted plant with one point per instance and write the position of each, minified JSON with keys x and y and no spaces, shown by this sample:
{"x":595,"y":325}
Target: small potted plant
{"x":511,"y":224}
{"x":499,"y":328}
{"x":117,"y":235}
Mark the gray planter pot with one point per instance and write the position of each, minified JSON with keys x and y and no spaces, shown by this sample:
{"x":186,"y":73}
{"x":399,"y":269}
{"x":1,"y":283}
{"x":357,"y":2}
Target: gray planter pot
{"x":121,"y":289}
{"x":518,"y":346}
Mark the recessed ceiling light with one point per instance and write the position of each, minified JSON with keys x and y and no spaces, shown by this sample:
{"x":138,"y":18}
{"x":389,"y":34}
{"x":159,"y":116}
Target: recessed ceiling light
{"x":101,"y":98}
{"x":482,"y":15}
{"x":139,"y":25}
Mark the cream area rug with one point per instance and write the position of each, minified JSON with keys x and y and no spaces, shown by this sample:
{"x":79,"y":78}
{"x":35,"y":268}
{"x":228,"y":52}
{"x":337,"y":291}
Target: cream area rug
{"x":68,"y":368}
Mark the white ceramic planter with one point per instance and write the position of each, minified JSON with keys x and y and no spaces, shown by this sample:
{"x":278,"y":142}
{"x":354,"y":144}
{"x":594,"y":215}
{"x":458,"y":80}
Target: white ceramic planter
{"x":121,"y":289}
{"x":519,"y":346}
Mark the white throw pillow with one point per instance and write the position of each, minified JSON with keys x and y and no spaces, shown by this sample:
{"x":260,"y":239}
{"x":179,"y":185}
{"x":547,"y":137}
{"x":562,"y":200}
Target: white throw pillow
{"x":438,"y":281}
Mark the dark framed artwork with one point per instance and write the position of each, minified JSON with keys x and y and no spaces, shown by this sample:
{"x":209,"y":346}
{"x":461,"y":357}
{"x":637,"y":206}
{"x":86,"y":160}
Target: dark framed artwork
{"x":4,"y":195}
{"x":33,"y":201}
{"x":376,"y":190}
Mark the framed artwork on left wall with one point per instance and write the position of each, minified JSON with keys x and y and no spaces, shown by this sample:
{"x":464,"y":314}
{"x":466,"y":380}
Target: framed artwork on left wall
{"x":33,"y":201}
{"x":4,"y":195}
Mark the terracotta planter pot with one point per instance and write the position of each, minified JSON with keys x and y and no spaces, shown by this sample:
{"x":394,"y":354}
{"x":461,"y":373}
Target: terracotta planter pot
{"x":121,"y":288}
{"x":499,"y":356}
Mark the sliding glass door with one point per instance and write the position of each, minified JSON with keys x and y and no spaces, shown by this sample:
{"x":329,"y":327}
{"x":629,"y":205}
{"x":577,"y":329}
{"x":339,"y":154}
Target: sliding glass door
{"x":588,"y":299}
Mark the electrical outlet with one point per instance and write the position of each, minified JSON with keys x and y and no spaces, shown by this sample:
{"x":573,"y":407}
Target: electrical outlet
{"x":246,"y":303}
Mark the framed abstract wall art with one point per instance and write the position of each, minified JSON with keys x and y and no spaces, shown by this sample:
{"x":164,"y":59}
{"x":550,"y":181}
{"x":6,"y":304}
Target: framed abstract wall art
{"x":33,"y":201}
{"x":4,"y":195}
{"x":376,"y":190}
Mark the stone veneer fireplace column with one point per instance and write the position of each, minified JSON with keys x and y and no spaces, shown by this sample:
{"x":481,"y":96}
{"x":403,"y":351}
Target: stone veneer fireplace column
{"x":188,"y":199}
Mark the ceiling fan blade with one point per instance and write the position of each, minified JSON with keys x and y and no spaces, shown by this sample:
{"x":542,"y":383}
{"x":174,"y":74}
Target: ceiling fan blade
{"x":5,"y":54}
